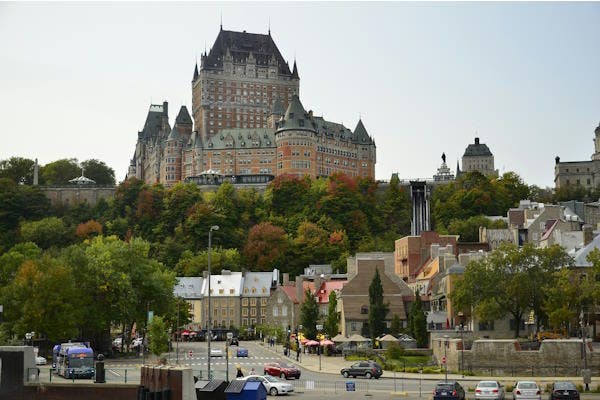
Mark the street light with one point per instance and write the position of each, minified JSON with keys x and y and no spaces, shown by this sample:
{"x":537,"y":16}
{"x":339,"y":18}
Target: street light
{"x":445,"y":358}
{"x":319,"y":329}
{"x":461,"y":329}
{"x":586,"y":373}
{"x":209,"y":328}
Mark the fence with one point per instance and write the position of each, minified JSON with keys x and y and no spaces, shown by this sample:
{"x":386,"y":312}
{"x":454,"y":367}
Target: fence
{"x":534,"y":370}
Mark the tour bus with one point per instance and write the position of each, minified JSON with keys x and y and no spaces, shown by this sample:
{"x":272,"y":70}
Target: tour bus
{"x":73,"y":360}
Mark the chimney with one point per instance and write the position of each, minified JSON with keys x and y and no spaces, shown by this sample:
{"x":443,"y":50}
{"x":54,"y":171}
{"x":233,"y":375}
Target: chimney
{"x":225,"y":272}
{"x":36,"y":171}
{"x":476,"y":140}
{"x":588,"y":234}
{"x":165,"y":108}
{"x":286,"y":278}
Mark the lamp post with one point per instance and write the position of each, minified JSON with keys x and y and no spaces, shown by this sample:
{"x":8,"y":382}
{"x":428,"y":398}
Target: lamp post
{"x":177,"y":333}
{"x":319,"y":329}
{"x":461,"y":329}
{"x":209,"y":327}
{"x":586,"y":375}
{"x":445,"y":358}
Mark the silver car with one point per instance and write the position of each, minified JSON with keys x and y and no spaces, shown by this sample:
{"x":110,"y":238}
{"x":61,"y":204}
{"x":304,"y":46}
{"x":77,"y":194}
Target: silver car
{"x":489,"y":390}
{"x":527,"y":390}
{"x":273,"y":385}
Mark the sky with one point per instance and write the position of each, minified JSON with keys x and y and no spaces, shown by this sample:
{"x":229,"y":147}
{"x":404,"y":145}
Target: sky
{"x":77,"y":79}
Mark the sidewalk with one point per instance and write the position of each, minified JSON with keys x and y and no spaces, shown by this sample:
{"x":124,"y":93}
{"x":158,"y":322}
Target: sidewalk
{"x":333,"y":365}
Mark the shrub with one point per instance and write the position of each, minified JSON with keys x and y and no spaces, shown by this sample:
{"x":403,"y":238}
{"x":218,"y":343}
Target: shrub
{"x":394,"y":351}
{"x":580,"y":387}
{"x":508,"y":388}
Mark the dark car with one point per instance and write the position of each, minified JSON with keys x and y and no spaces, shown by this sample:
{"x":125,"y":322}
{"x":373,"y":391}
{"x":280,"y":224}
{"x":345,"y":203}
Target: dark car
{"x":282,"y":370}
{"x":234,"y":342}
{"x":564,"y":391}
{"x":448,"y":390}
{"x":368,"y":369}
{"x":242,"y":352}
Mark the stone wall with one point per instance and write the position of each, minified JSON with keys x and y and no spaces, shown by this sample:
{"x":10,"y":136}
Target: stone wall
{"x":506,"y":357}
{"x":69,"y":195}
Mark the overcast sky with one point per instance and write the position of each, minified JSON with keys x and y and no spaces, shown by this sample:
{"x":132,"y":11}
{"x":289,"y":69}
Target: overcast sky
{"x":76,"y":79}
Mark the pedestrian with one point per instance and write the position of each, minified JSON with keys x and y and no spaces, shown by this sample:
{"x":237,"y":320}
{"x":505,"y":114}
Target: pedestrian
{"x":239,"y":372}
{"x":298,"y":354}
{"x":252,"y":372}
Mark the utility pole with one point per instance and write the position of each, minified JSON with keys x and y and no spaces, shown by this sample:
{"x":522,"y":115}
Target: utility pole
{"x":209,"y":327}
{"x":586,"y":373}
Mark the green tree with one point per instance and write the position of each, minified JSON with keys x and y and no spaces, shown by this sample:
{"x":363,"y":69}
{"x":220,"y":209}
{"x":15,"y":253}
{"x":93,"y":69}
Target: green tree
{"x":46,"y":232}
{"x":417,"y":322}
{"x":97,"y":170}
{"x":468,"y":229}
{"x":377,"y":309}
{"x":332,"y":322}
{"x":395,"y":327}
{"x":158,"y":336}
{"x":60,"y":171}
{"x":510,"y":280}
{"x":17,"y":169}
{"x":309,"y":315}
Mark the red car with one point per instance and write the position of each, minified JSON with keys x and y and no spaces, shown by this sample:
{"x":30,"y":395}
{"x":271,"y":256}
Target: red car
{"x":282,"y":370}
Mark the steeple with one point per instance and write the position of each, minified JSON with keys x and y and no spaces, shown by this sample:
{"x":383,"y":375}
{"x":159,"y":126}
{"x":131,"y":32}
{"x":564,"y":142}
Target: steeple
{"x":295,"y":71}
{"x":195,"y":72}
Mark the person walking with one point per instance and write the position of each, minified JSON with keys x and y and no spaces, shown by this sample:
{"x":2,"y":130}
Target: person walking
{"x":239,"y":372}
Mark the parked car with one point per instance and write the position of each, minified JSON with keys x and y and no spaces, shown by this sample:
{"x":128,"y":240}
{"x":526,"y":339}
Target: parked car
{"x":234,"y":342}
{"x":39,"y":360}
{"x":273,"y":385}
{"x":117,"y":344}
{"x":564,"y":390}
{"x":448,"y":390}
{"x":216,"y":353}
{"x":527,"y":390}
{"x":137,"y":342}
{"x":282,"y":370}
{"x":489,"y":390}
{"x":368,"y":369}
{"x":242,"y":352}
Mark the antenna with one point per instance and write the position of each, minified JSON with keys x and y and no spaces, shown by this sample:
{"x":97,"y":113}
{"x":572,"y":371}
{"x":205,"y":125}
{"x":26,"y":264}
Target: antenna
{"x":221,"y":20}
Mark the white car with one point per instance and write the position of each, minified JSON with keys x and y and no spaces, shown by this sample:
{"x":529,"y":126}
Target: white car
{"x":137,"y":342}
{"x":40,"y":360}
{"x":489,"y":390}
{"x":216,"y":353}
{"x":273,"y":385}
{"x":527,"y":390}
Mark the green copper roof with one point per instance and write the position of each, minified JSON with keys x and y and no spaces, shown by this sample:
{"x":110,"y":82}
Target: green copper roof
{"x":296,"y":117}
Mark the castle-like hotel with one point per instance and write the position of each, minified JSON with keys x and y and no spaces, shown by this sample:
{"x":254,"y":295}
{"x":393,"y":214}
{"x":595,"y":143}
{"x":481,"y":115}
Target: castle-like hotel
{"x":248,"y":124}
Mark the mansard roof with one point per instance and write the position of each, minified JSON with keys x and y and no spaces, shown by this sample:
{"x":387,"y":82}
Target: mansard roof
{"x":477,"y":149}
{"x":278,"y":107}
{"x":240,"y":45}
{"x":240,"y":138}
{"x":183,"y":118}
{"x":154,"y":120}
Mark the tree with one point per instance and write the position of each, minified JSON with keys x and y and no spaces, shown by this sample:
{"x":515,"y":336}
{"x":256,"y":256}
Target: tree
{"x":468,"y":229}
{"x":17,"y":169}
{"x":265,"y":246}
{"x":377,"y":309}
{"x":332,"y":324}
{"x":395,"y":325}
{"x":60,"y":171}
{"x":158,"y":336}
{"x":98,"y":171}
{"x":88,"y":229}
{"x":309,"y":315}
{"x":417,"y":321}
{"x":46,"y":232}
{"x":508,"y":281}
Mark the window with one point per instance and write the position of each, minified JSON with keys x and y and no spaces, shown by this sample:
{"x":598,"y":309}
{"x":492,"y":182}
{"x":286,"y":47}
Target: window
{"x":353,"y":326}
{"x":275,"y":312}
{"x":263,"y":301}
{"x":231,"y":291}
{"x":245,"y":302}
{"x":364,"y":310}
{"x":244,"y":321}
{"x":284,"y":311}
{"x":244,"y":312}
{"x":221,"y":291}
{"x":253,"y":312}
{"x":486,"y":325}
{"x":253,"y":302}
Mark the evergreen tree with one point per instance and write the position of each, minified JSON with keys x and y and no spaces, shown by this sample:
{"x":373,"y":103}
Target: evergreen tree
{"x":377,"y":309}
{"x":332,"y":325}
{"x":309,"y":314}
{"x":395,"y":328}
{"x":417,"y":322}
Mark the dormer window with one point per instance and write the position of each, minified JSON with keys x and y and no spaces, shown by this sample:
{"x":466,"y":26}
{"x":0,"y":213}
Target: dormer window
{"x":291,"y":115}
{"x":301,"y":122}
{"x":364,"y":310}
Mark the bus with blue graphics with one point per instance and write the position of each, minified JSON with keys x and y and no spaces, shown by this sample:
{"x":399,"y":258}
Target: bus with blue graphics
{"x":73,"y":360}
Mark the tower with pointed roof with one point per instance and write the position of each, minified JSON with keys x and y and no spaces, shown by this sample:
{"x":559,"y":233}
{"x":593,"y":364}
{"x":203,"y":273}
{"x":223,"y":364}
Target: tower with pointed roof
{"x":584,"y":173}
{"x":238,"y":82}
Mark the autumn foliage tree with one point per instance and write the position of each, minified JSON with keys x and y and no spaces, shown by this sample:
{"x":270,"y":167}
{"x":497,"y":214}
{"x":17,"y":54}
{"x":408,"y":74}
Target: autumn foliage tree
{"x":88,"y":229}
{"x":265,"y":246}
